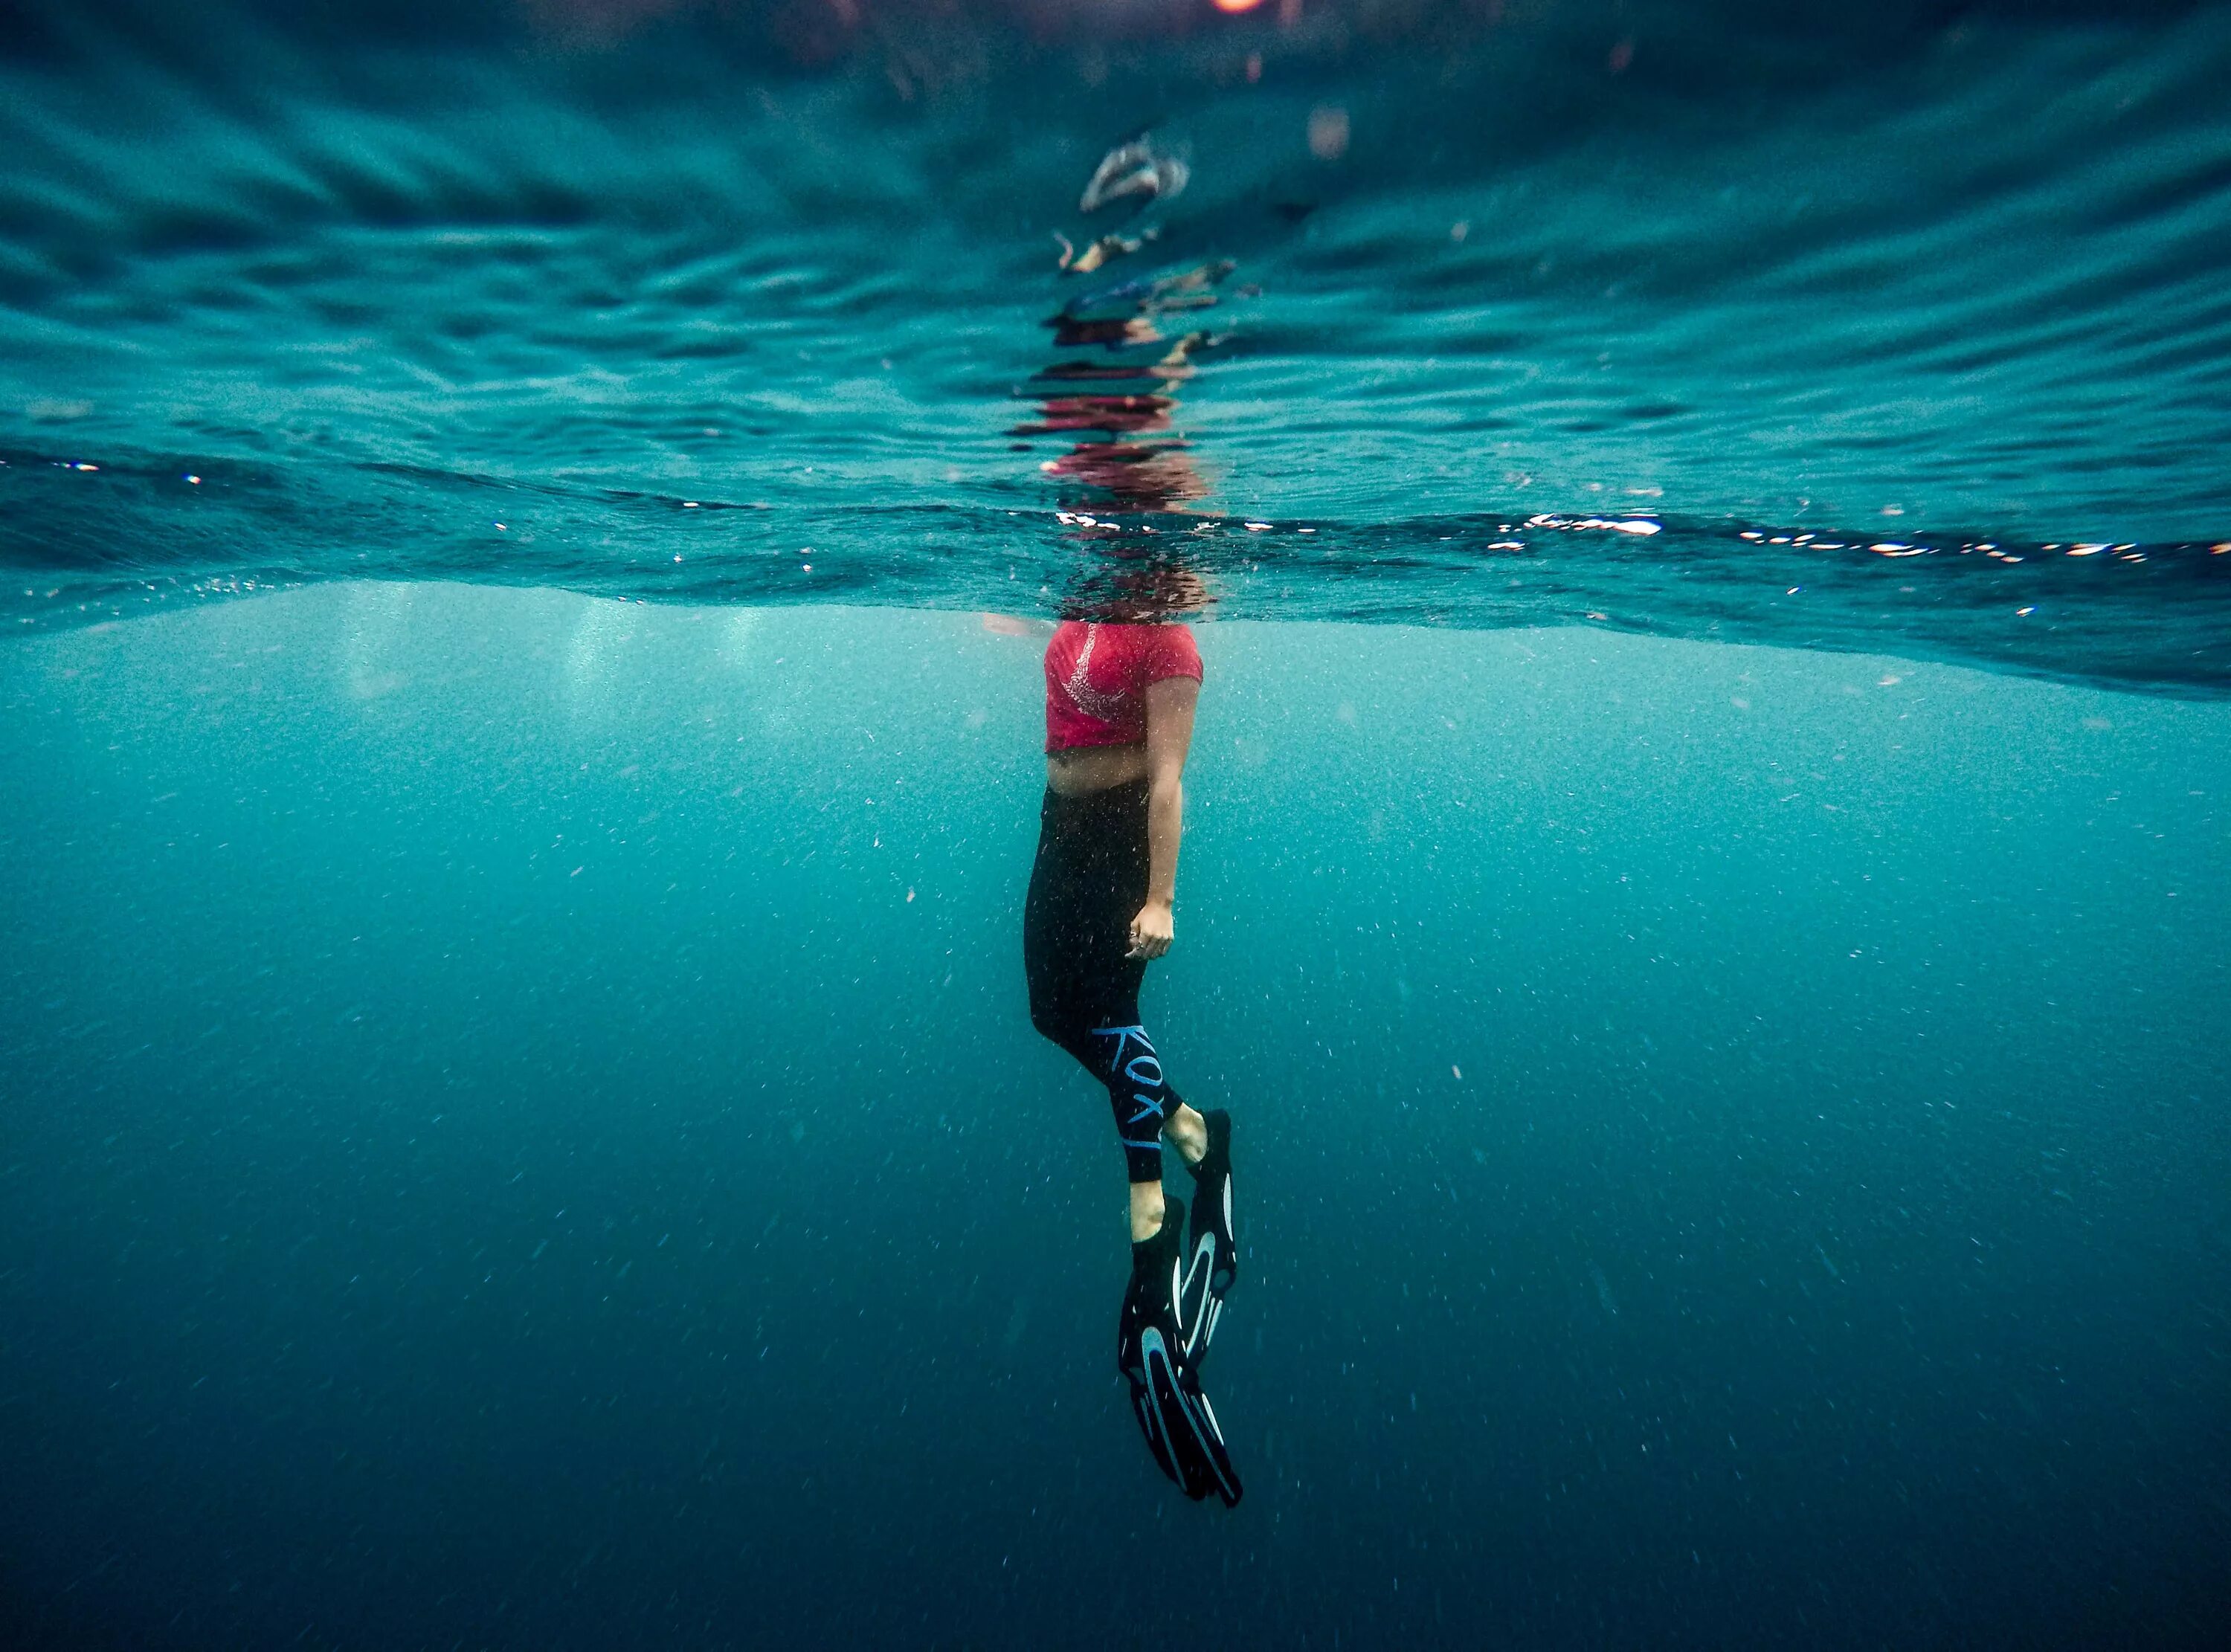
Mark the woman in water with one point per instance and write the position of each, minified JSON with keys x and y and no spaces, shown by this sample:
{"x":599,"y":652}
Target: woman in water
{"x":1120,"y":701}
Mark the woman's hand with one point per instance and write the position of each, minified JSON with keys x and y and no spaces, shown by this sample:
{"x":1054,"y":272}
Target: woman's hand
{"x":1151,"y":930}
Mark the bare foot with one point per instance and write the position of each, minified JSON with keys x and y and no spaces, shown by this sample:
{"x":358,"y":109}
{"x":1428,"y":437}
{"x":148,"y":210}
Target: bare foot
{"x":1190,"y":1132}
{"x":1145,"y":1210}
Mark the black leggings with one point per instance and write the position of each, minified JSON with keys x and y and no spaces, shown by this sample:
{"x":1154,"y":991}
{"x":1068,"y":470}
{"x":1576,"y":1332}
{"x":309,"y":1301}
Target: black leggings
{"x":1088,"y":882}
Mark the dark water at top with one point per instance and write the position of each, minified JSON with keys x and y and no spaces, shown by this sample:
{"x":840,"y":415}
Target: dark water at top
{"x":519,"y":1126}
{"x":667,"y":300}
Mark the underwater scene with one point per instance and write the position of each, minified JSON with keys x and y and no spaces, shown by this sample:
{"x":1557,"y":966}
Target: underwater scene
{"x":1577,"y":652}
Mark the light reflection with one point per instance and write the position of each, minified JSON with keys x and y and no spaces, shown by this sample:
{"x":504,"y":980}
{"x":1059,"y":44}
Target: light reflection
{"x":1126,"y":350}
{"x":1119,"y":402}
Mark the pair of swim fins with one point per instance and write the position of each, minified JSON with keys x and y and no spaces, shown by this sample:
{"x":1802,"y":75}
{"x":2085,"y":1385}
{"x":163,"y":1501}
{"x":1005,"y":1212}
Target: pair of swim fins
{"x":1170,"y":1313}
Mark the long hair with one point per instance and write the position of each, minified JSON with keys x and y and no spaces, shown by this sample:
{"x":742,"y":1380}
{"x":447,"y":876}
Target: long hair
{"x":1147,"y":591}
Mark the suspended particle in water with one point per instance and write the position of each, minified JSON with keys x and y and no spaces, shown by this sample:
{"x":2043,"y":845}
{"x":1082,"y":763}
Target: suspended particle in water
{"x":1328,"y":132}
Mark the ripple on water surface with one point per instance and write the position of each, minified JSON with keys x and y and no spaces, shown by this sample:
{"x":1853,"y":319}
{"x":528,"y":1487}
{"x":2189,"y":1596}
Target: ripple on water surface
{"x":1904,"y":336}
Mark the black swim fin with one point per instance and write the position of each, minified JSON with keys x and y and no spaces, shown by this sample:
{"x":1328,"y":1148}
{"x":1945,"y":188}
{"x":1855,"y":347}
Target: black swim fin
{"x":1212,"y":1259}
{"x":1174,"y":1415}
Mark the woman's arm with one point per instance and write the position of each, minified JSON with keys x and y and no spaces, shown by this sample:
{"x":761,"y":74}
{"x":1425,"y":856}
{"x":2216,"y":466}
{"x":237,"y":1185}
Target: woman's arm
{"x":1014,"y":625}
{"x":1170,"y":705}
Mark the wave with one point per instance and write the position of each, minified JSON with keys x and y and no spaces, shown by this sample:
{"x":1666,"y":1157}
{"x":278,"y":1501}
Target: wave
{"x":135,"y":540}
{"x":647,"y":282}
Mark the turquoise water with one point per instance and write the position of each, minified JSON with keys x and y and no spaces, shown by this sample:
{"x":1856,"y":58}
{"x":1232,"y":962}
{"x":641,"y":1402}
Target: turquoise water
{"x":495,"y":1151}
{"x":673,"y":311}
{"x":520,"y":1126}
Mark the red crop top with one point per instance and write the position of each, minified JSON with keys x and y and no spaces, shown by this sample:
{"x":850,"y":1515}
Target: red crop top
{"x":1096,"y":678}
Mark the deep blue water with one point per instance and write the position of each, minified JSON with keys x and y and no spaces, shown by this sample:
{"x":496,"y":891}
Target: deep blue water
{"x":493,"y":1151}
{"x":1705,"y":886}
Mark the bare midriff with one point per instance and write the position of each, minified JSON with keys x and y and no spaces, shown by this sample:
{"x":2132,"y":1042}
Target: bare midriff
{"x":1079,"y":770}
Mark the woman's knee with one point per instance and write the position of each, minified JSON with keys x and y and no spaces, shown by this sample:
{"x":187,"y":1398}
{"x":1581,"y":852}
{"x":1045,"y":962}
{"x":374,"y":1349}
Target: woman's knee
{"x":1047,"y":1020}
{"x":1057,"y":1024}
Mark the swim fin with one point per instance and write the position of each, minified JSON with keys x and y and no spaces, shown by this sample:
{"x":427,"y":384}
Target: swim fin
{"x":1174,"y":1415}
{"x":1213,"y":1260}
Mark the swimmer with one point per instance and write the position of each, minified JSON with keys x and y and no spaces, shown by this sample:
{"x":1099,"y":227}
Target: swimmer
{"x":1120,"y":697}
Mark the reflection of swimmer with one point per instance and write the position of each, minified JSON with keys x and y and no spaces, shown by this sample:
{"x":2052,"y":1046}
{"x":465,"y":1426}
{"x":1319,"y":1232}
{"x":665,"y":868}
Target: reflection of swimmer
{"x":1070,"y":330}
{"x":1120,"y":702}
{"x":1168,"y":369}
{"x":1134,"y":167}
{"x":1128,"y":451}
{"x":1097,"y":252}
